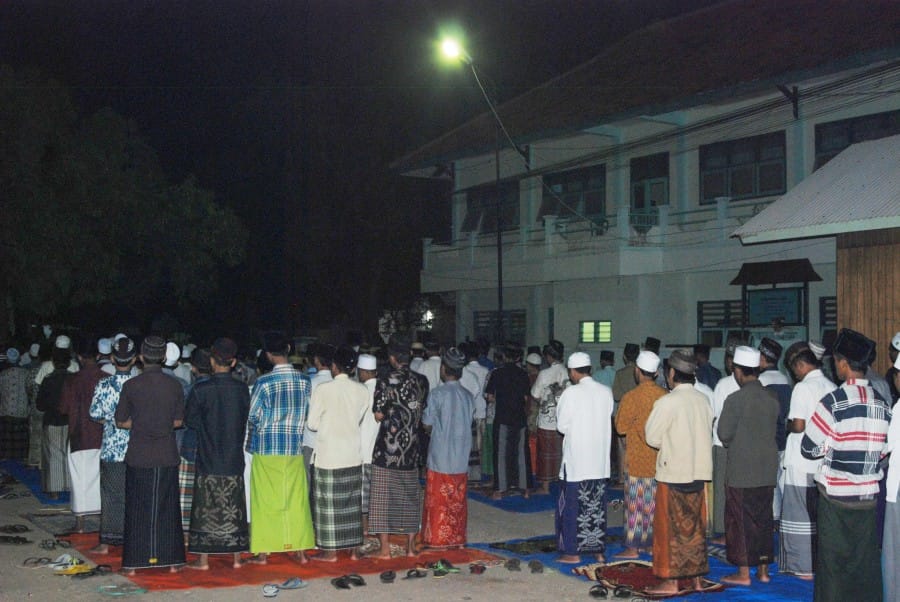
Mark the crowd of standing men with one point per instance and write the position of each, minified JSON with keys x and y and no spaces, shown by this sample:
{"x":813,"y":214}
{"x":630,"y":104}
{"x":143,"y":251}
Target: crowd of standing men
{"x":227,"y":457}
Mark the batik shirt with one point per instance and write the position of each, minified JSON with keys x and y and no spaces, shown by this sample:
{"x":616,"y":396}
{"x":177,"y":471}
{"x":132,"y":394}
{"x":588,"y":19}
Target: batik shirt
{"x":103,"y":407}
{"x":849,"y":428}
{"x":278,"y":407}
{"x":401,"y":399}
{"x":13,"y":394}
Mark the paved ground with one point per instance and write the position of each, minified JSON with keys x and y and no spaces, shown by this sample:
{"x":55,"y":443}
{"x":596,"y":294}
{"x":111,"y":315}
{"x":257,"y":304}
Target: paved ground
{"x":486,"y":524}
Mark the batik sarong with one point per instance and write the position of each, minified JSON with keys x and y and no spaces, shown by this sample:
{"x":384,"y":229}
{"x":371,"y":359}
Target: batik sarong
{"x":445,"y":516}
{"x":112,"y":502}
{"x":581,"y":517}
{"x":749,"y":526}
{"x":13,"y":438}
{"x":35,"y":437}
{"x":395,"y":505}
{"x":153,"y":534}
{"x":54,"y":449}
{"x":640,"y":502}
{"x":797,"y":531}
{"x":338,"y":516}
{"x":218,"y":515}
{"x":279,"y":505}
{"x":549,"y":454}
{"x":679,"y":541}
{"x":84,"y":476}
{"x":848,"y":563}
{"x":186,"y":470}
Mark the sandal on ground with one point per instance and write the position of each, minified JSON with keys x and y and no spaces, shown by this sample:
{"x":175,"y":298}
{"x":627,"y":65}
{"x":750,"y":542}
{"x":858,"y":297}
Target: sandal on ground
{"x":34,"y":562}
{"x":447,"y":566}
{"x":387,"y":576}
{"x":100,"y":569}
{"x":355,"y":580}
{"x":340,"y":582}
{"x":536,"y":566}
{"x":415,"y":574}
{"x":15,"y":540}
{"x":513,"y":564}
{"x":477,"y":569}
{"x":623,"y":591}
{"x":293,"y":583}
{"x":270,"y":590}
{"x":14,"y":529}
{"x":599,"y":591}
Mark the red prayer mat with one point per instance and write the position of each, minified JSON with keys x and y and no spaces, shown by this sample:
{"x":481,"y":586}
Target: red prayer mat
{"x":637,"y":575}
{"x":278,"y":569}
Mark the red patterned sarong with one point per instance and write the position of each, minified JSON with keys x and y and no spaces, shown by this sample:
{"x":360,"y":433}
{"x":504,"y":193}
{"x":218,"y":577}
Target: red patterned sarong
{"x":445,"y":516}
{"x":679,"y":533}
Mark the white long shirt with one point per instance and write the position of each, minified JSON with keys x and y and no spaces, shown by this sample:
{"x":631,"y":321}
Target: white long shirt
{"x":806,"y":394}
{"x":322,"y":376}
{"x":368,"y":430}
{"x":473,"y":377}
{"x":431,"y":369}
{"x":584,"y":416}
{"x":725,"y":387}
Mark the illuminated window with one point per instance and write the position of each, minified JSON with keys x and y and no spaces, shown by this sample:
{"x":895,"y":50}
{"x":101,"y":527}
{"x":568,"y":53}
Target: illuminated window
{"x":595,"y":331}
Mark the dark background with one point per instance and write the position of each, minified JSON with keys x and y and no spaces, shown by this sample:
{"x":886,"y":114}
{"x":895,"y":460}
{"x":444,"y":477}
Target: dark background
{"x":291,"y":113}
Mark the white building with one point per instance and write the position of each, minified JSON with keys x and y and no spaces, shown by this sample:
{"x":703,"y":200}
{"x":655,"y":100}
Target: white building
{"x":644,"y":161}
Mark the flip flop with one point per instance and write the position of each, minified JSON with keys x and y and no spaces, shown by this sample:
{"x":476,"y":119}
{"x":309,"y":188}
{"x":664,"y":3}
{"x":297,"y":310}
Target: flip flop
{"x":14,"y":540}
{"x":340,"y":583}
{"x":477,"y":569}
{"x":63,"y":560}
{"x":443,"y":562}
{"x":415,"y":574}
{"x":536,"y":566}
{"x":623,"y":591}
{"x":74,"y":569}
{"x":440,"y":572}
{"x":355,"y":580}
{"x":14,"y":529}
{"x":34,"y":562}
{"x":387,"y":576}
{"x":270,"y":590}
{"x":293,"y":583}
{"x":513,"y":564}
{"x":599,"y":591}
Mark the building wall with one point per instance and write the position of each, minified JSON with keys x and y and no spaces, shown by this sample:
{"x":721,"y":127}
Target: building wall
{"x":868,"y":286}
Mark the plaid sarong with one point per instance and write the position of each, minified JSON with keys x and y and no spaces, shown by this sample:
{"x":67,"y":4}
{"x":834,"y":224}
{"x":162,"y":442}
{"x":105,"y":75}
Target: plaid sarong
{"x":396,"y":501}
{"x":13,"y":438}
{"x":338,"y":515}
{"x":186,"y":491}
{"x":112,"y":502}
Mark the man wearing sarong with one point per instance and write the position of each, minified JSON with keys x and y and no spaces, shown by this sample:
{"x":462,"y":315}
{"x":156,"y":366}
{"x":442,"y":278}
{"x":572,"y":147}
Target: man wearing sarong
{"x":336,"y":411}
{"x":680,"y":427}
{"x":113,"y":447}
{"x":584,"y":417}
{"x":622,"y":384}
{"x":85,"y":435}
{"x":849,"y":429}
{"x":366,"y":371}
{"x":725,"y":387}
{"x":548,"y":387}
{"x":747,"y":428}
{"x":281,"y":520}
{"x":474,"y":376}
{"x":797,"y":532}
{"x":151,"y":406}
{"x":507,"y":388}
{"x":640,"y":458}
{"x":13,"y":407}
{"x":216,"y":412}
{"x":448,"y":415}
{"x":396,"y":502}
{"x":54,"y":443}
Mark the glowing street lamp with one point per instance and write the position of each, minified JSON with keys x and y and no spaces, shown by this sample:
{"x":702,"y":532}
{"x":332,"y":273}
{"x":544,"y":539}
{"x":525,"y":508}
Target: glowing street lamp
{"x":452,"y":49}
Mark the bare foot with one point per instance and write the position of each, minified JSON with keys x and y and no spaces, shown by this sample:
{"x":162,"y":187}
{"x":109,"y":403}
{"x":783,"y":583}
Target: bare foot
{"x":325,"y":557}
{"x":735,"y":579}
{"x":600,"y":558}
{"x":256,"y":559}
{"x":412,"y":553}
{"x":128,"y":572}
{"x":698,"y":586}
{"x":177,"y":569}
{"x":762,"y":573}
{"x":718,"y":541}
{"x":198,"y":565}
{"x":569,"y":559}
{"x":300,"y":557}
{"x":666,"y":587}
{"x":526,"y":494}
{"x":628,"y":553}
{"x":497,"y":495}
{"x":100,"y":549}
{"x":804,"y":577}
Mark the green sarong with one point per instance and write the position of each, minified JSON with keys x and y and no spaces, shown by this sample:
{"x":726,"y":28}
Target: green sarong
{"x":279,"y":505}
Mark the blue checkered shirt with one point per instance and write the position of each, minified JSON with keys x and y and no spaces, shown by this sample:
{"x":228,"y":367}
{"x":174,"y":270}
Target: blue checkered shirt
{"x":278,"y":407}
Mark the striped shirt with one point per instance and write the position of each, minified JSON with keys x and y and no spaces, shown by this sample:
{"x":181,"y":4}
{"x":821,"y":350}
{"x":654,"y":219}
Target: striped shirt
{"x":278,"y":407}
{"x":849,"y":429}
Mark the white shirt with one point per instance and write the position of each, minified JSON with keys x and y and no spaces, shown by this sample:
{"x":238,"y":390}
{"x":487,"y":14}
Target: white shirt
{"x":473,"y":377}
{"x":584,"y":416}
{"x":368,"y":430}
{"x":322,"y":376}
{"x":336,"y":410}
{"x":806,"y":394}
{"x":710,"y":394}
{"x":431,"y":369}
{"x":772,"y":377}
{"x":558,"y":374}
{"x":893,"y":444}
{"x":47,"y":367}
{"x":725,"y":387}
{"x":415,"y":362}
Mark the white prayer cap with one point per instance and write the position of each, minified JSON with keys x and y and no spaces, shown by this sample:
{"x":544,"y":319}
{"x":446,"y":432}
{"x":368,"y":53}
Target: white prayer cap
{"x":173,"y":353}
{"x":104,"y":346}
{"x":895,"y":342}
{"x":579,"y":359}
{"x":747,"y":357}
{"x":63,"y":342}
{"x":366,"y":362}
{"x":534,"y":359}
{"x":648,"y":361}
{"x":35,"y":349}
{"x":25,"y":360}
{"x":817,"y":348}
{"x":12,"y":356}
{"x":119,"y":336}
{"x":187,"y":350}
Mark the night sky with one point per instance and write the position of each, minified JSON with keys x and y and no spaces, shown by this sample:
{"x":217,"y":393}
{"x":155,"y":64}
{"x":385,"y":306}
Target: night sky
{"x":291,"y":113}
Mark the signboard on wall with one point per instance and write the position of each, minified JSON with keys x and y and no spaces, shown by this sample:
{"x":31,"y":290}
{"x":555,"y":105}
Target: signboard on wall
{"x":765,"y":305}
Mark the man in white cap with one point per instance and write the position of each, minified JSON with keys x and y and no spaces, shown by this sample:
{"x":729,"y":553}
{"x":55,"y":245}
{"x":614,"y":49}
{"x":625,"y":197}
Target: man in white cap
{"x":104,"y":353}
{"x":680,"y":427}
{"x":725,"y":387}
{"x":367,"y":374}
{"x":584,"y":417}
{"x":848,"y":429}
{"x":64,"y":343}
{"x":797,"y":530}
{"x":747,"y":428}
{"x":548,"y":387}
{"x":640,"y":458}
{"x":183,"y":370}
{"x":448,"y":416}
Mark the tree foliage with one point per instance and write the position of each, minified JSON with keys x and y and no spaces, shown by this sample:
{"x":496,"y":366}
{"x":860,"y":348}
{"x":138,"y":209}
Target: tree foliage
{"x":87,"y":217}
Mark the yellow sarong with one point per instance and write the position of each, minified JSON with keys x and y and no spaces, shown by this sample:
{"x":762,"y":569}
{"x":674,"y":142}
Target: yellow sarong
{"x":279,"y":505}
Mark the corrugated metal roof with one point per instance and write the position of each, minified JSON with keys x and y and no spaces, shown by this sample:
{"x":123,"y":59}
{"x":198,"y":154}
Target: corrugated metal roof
{"x":857,"y":190}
